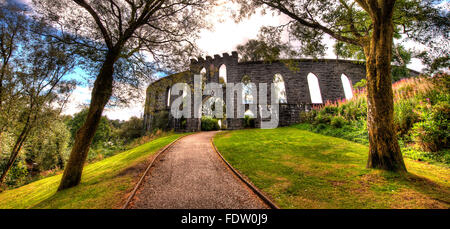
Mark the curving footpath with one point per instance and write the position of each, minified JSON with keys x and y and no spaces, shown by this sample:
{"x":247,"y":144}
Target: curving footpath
{"x":190,"y":175}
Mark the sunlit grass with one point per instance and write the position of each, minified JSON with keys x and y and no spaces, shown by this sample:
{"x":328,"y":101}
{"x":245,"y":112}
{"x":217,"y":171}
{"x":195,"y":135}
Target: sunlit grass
{"x":301,"y":169}
{"x":103,"y":184}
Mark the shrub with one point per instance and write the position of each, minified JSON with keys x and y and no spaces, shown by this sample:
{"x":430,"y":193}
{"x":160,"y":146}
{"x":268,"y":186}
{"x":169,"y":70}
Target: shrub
{"x":337,"y":121}
{"x":418,"y":155}
{"x":209,"y":124}
{"x":322,"y":118}
{"x":332,"y":110}
{"x":308,"y":117}
{"x":183,"y":123}
{"x":404,"y":116}
{"x":320,"y":127}
{"x":354,"y":109}
{"x":17,"y":174}
{"x":432,"y":133}
{"x":249,"y":122}
{"x":161,"y":120}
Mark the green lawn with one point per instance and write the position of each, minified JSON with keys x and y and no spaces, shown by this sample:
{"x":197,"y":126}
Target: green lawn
{"x":104,"y":184}
{"x":301,"y":169}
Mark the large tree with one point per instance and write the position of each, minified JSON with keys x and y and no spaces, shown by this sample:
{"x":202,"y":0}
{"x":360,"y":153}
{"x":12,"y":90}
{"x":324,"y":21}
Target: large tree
{"x":369,"y":26}
{"x":123,"y":39}
{"x":31,"y":76}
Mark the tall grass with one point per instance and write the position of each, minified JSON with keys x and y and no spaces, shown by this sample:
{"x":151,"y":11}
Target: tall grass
{"x":421,"y":113}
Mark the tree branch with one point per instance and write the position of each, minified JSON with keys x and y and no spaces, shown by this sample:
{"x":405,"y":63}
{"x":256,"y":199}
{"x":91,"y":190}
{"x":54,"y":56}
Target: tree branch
{"x":313,"y":25}
{"x":97,"y":19}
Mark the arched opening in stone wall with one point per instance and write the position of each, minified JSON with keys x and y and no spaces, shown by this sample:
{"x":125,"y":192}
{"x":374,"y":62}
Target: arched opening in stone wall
{"x":203,"y":71}
{"x":314,"y":89}
{"x":280,"y":88}
{"x":347,"y":87}
{"x":247,"y":90}
{"x":209,"y":109}
{"x":168,"y":96}
{"x":203,"y":76}
{"x":223,"y":74}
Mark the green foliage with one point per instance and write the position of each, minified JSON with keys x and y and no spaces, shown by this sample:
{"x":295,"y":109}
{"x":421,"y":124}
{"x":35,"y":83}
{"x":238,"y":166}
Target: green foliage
{"x":48,"y":148}
{"x":330,"y":110}
{"x":337,"y":121}
{"x":131,"y":129}
{"x":102,"y":134}
{"x":432,"y":134}
{"x":322,"y":118}
{"x":442,"y":156}
{"x":161,"y":120}
{"x":209,"y":124}
{"x":400,"y":72}
{"x":421,"y":114}
{"x":401,"y":57}
{"x":259,"y":50}
{"x":17,"y":174}
{"x":434,"y":64}
{"x":249,"y":122}
{"x":404,"y":115}
{"x":308,"y":117}
{"x":360,"y":85}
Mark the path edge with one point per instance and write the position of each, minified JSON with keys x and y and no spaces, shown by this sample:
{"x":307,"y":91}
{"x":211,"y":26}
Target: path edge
{"x":258,"y":192}
{"x":138,"y":184}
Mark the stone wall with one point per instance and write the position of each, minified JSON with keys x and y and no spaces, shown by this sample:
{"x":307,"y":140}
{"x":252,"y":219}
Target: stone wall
{"x":294,"y":73}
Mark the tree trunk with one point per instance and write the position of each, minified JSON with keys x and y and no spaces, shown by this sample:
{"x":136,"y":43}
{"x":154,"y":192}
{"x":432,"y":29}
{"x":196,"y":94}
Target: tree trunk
{"x":384,"y":151}
{"x":16,"y":149}
{"x":101,"y":93}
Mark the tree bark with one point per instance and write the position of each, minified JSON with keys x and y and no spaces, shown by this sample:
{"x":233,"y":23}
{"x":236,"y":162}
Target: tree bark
{"x":384,"y":150}
{"x":16,"y":149}
{"x":101,"y":93}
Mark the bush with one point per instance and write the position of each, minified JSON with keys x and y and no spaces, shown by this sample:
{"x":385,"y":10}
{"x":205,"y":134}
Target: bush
{"x":183,"y":123}
{"x":354,"y":109}
{"x":320,"y":127}
{"x":17,"y":174}
{"x":249,"y":122}
{"x":308,"y":117}
{"x":131,"y":129}
{"x":332,"y":110}
{"x":404,"y":116}
{"x":102,"y":133}
{"x":209,"y":124}
{"x":421,"y":114}
{"x":337,"y":121}
{"x":432,"y":133}
{"x":322,"y":118}
{"x":441,"y":156}
{"x":161,"y":120}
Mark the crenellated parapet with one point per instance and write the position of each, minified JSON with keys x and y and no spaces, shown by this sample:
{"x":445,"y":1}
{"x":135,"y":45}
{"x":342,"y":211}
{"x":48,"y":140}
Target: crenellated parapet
{"x":209,"y":63}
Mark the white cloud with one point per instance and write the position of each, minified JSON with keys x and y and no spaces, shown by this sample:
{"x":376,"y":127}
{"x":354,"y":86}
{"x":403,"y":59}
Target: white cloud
{"x":81,"y":97}
{"x":226,"y":34}
{"x":136,"y":109}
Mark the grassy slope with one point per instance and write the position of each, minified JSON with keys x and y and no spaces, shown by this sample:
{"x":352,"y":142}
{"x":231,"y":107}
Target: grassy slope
{"x":301,"y":169}
{"x":103,"y":184}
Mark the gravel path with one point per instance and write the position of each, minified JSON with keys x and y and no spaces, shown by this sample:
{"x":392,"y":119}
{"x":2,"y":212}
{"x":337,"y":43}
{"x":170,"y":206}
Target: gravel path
{"x":190,"y":175}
